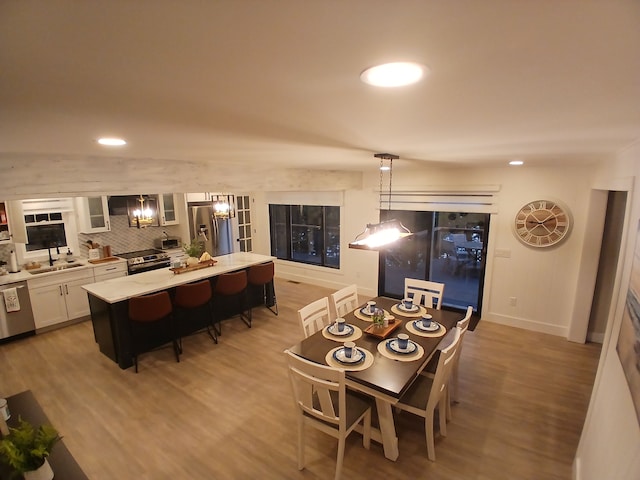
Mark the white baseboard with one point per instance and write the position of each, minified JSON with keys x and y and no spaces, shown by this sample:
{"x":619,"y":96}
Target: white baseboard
{"x":558,"y":330}
{"x":321,"y":282}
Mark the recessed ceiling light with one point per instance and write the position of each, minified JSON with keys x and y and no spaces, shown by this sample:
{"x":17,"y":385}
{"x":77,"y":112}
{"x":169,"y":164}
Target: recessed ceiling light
{"x":516,"y":162}
{"x":397,"y":74}
{"x":112,"y":142}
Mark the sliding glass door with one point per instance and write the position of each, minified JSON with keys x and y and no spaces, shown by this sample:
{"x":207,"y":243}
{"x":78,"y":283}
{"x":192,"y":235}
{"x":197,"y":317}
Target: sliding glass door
{"x":446,"y":247}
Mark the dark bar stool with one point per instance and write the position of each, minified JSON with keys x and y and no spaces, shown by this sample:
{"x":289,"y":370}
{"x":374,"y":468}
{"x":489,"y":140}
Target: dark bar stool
{"x":193,"y":310}
{"x":261,"y":276}
{"x":151,"y":322}
{"x":230,"y":292}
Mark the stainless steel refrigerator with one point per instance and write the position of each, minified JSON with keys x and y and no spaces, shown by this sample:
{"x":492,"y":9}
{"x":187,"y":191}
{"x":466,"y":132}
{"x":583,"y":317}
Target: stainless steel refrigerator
{"x":215,"y":234}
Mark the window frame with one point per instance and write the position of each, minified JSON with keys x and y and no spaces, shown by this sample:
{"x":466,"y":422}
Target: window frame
{"x":281,"y":215}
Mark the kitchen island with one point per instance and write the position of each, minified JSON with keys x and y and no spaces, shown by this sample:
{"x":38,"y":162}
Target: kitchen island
{"x":109,"y":299}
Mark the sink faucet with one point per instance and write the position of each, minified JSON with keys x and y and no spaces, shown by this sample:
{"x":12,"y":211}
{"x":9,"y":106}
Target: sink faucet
{"x":50,"y":257}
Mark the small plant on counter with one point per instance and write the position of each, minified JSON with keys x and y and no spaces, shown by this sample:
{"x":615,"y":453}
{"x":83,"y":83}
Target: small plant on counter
{"x":26,"y":447}
{"x":194,"y":249}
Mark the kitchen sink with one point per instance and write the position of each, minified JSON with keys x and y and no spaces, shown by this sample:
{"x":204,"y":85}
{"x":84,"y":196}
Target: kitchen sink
{"x":55,"y":268}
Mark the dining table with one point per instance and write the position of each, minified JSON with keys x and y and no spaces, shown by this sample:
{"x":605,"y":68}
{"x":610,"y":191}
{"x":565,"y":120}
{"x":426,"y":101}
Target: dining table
{"x":385,"y":375}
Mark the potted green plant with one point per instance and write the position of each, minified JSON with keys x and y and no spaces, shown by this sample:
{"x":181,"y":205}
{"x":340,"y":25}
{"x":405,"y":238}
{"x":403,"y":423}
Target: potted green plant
{"x":26,"y":449}
{"x":194,"y":250}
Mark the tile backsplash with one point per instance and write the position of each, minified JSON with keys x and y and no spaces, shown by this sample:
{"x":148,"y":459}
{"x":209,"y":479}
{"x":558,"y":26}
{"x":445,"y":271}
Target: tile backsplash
{"x":122,"y":238}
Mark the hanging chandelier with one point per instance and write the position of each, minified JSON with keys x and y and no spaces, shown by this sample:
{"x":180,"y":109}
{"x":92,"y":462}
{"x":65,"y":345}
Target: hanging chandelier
{"x":223,"y":206}
{"x":377,"y":236}
{"x":142,"y":215}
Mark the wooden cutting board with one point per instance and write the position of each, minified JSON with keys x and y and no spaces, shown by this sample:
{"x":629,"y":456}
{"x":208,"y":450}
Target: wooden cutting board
{"x":104,"y":260}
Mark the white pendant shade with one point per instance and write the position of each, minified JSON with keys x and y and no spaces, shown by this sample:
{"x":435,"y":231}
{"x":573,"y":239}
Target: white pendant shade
{"x":380,"y":235}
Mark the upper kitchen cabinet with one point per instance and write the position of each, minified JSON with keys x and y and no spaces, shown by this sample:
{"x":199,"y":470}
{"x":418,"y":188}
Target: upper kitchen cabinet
{"x":12,"y":227}
{"x":200,"y":197}
{"x":167,"y":203}
{"x":93,"y":214}
{"x":5,"y":232}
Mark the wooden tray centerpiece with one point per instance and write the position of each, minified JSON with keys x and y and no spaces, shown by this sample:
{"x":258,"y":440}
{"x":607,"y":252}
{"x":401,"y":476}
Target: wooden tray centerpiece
{"x":380,"y":331}
{"x":191,"y":268}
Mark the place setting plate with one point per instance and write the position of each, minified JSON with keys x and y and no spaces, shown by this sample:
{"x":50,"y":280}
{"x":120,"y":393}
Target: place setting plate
{"x":418,"y":325}
{"x":366,"y":311}
{"x":356,"y":358}
{"x":346,"y":331}
{"x":413,"y":309}
{"x":393,"y":344}
{"x":336,"y":358}
{"x":363,"y":313}
{"x":390,"y":349}
{"x":434,"y":330}
{"x":416,"y":311}
{"x":350,"y":332}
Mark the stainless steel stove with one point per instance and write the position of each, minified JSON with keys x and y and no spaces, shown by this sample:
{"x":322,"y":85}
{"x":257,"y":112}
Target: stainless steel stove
{"x":145,"y":260}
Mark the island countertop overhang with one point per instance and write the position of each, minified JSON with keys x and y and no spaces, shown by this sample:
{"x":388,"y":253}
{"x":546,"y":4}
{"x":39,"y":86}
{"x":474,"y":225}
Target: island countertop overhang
{"x":120,"y":289}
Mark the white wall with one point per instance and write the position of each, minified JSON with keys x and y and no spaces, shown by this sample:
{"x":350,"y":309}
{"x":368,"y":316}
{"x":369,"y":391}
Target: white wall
{"x":358,"y":207}
{"x":610,"y":442}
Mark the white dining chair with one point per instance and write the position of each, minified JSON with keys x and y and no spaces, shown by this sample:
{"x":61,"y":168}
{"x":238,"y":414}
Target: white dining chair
{"x":323,"y":402}
{"x":314,"y":317}
{"x":428,"y":393}
{"x":452,"y":391}
{"x":463,"y":325}
{"x":345,"y":300}
{"x":424,"y":292}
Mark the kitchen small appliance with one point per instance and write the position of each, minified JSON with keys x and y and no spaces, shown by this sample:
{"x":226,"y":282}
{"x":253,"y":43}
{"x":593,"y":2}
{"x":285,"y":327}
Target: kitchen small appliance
{"x":167,"y":243}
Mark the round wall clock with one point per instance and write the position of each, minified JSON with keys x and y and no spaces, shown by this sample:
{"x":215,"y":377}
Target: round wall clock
{"x":542,"y":223}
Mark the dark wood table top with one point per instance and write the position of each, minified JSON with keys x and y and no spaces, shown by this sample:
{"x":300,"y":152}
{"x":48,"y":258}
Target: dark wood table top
{"x":62,"y":462}
{"x":387,"y":376}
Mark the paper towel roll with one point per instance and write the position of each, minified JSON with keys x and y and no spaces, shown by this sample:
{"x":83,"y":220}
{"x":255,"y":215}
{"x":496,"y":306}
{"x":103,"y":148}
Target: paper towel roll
{"x":13,"y":262}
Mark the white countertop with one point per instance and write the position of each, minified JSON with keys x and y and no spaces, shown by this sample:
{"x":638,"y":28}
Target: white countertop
{"x":24,"y":274}
{"x":119,"y":289}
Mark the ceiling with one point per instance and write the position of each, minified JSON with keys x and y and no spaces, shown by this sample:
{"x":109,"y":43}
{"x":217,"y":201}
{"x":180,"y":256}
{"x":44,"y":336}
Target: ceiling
{"x":277,"y":81}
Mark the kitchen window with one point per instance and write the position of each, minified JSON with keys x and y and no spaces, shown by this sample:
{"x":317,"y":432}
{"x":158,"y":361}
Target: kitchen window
{"x":45,"y":230}
{"x":306,"y":234}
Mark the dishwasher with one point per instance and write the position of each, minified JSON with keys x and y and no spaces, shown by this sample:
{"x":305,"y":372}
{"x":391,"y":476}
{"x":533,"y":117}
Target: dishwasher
{"x":16,"y":315}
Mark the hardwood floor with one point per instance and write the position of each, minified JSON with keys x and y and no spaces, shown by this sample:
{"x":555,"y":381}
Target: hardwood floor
{"x":225,"y":411}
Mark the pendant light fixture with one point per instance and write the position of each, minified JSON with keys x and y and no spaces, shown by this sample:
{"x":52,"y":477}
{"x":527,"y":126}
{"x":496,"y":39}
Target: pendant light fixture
{"x":377,"y":236}
{"x":223,"y":206}
{"x":142,"y":214}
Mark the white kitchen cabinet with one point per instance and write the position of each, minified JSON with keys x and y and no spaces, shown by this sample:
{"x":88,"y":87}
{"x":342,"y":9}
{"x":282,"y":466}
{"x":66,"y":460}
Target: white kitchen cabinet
{"x":110,"y":270}
{"x":12,"y":228}
{"x":17,"y":227}
{"x":93,"y":214}
{"x":5,"y":232}
{"x":199,"y":197}
{"x":58,"y":297}
{"x":167,"y":203}
{"x":76,"y":298}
